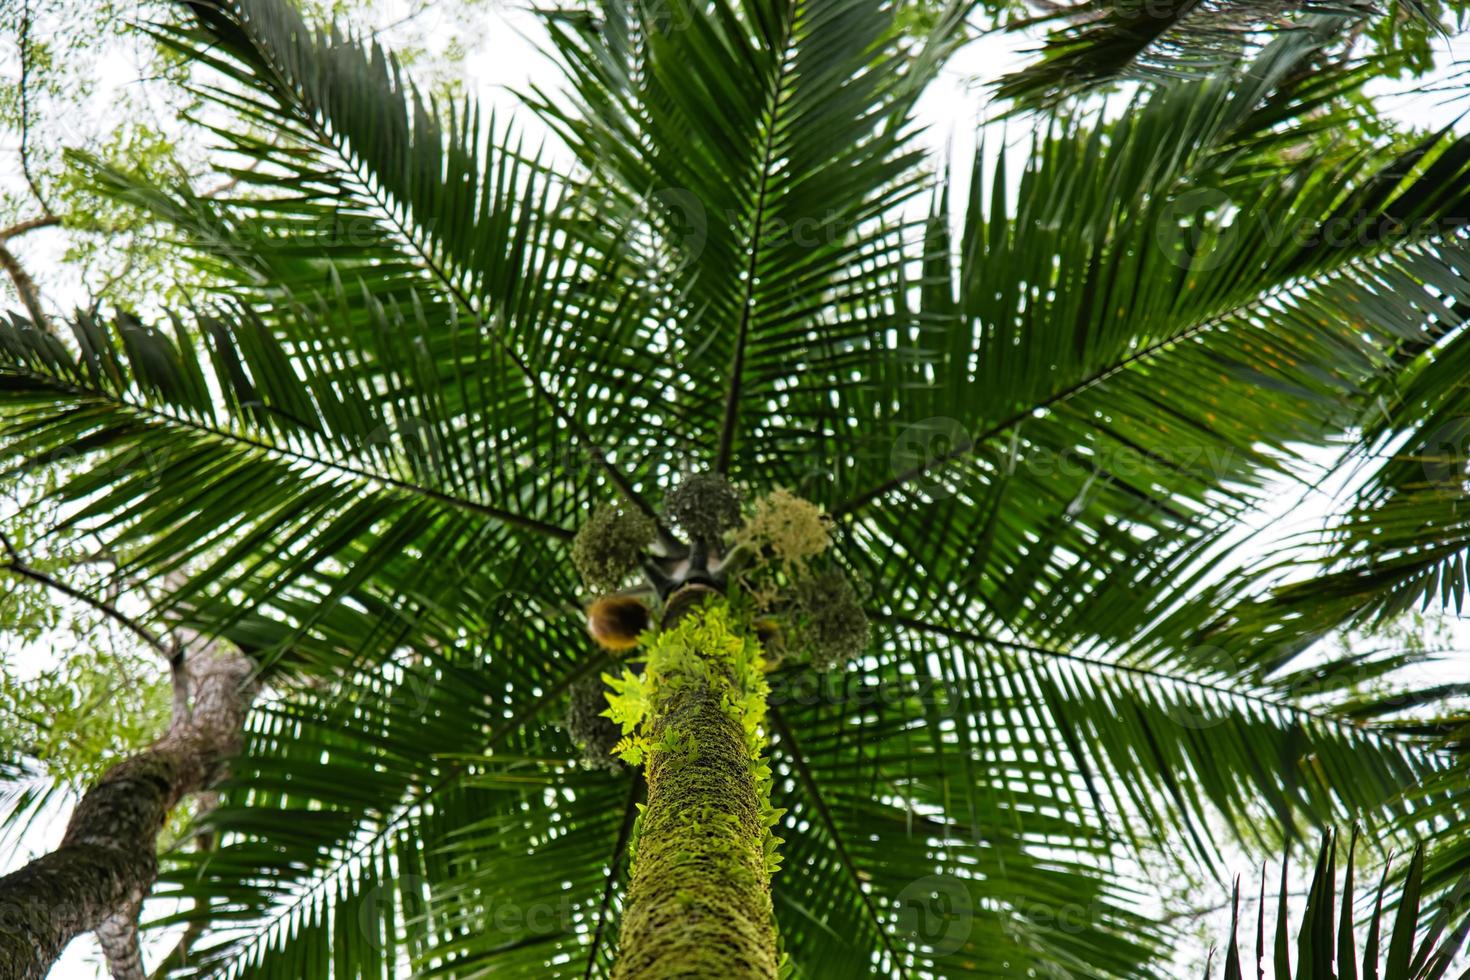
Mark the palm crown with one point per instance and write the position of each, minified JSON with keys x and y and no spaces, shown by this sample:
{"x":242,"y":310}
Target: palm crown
{"x":420,"y":357}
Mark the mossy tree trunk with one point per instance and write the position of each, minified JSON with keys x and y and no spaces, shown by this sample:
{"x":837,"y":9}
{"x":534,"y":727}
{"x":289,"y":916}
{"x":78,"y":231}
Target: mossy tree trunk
{"x":699,"y":905}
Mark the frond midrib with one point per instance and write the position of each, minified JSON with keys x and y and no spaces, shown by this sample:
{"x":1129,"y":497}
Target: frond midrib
{"x":731,"y":414}
{"x":407,"y":488}
{"x":1148,"y":352}
{"x":824,"y":813}
{"x":1440,"y":753}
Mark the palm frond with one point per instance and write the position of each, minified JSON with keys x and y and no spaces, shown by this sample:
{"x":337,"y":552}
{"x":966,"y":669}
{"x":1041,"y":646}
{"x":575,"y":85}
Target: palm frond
{"x":1171,"y":751}
{"x":941,"y":847}
{"x":765,"y":143}
{"x":1102,"y":394}
{"x":1401,"y":542}
{"x":1090,"y":45}
{"x":1416,"y":947}
{"x":456,"y":202}
{"x":289,"y":482}
{"x":409,"y":761}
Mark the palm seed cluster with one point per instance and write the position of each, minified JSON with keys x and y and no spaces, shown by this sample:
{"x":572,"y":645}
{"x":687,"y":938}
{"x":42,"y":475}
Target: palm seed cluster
{"x":704,"y":506}
{"x":587,"y":723}
{"x":610,"y":545}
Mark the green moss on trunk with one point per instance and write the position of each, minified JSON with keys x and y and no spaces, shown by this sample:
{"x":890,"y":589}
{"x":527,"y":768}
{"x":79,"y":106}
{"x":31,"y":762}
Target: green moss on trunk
{"x":699,"y":905}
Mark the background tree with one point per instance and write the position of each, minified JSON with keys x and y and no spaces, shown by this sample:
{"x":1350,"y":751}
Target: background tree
{"x":91,"y":79}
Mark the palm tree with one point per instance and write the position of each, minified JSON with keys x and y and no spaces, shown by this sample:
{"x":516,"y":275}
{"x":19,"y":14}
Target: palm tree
{"x":428,"y":379}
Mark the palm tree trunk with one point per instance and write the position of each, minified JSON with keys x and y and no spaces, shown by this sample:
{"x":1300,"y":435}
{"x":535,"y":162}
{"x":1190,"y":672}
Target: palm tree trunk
{"x":107,"y":861}
{"x":699,"y":905}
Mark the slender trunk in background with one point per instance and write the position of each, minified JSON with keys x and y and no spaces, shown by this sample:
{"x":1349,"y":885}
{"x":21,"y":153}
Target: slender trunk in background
{"x":122,"y":945}
{"x":699,"y":904}
{"x":107,"y":861}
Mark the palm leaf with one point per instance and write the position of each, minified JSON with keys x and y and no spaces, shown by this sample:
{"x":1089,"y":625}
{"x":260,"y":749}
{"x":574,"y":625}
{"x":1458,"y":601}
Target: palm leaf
{"x":1420,"y":947}
{"x":1090,"y":45}
{"x":396,"y":166}
{"x":766,"y":141}
{"x":1100,"y":403}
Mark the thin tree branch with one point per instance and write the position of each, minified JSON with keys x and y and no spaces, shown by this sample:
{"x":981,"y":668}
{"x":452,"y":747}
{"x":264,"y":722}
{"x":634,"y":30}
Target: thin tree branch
{"x":16,"y":566}
{"x":30,"y":294}
{"x":28,"y":225}
{"x":179,"y":955}
{"x":1195,"y":914}
{"x":25,"y":286}
{"x":121,"y":943}
{"x":230,"y":183}
{"x":25,"y":108}
{"x":95,"y":306}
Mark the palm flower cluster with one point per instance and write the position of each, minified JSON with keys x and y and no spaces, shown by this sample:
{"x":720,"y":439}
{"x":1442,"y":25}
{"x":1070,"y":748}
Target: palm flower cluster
{"x":793,"y":530}
{"x":783,"y":537}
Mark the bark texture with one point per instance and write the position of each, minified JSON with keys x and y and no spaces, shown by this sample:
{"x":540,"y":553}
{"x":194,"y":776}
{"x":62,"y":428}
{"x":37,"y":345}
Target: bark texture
{"x":121,"y":945}
{"x":107,"y":861}
{"x":699,"y":904}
